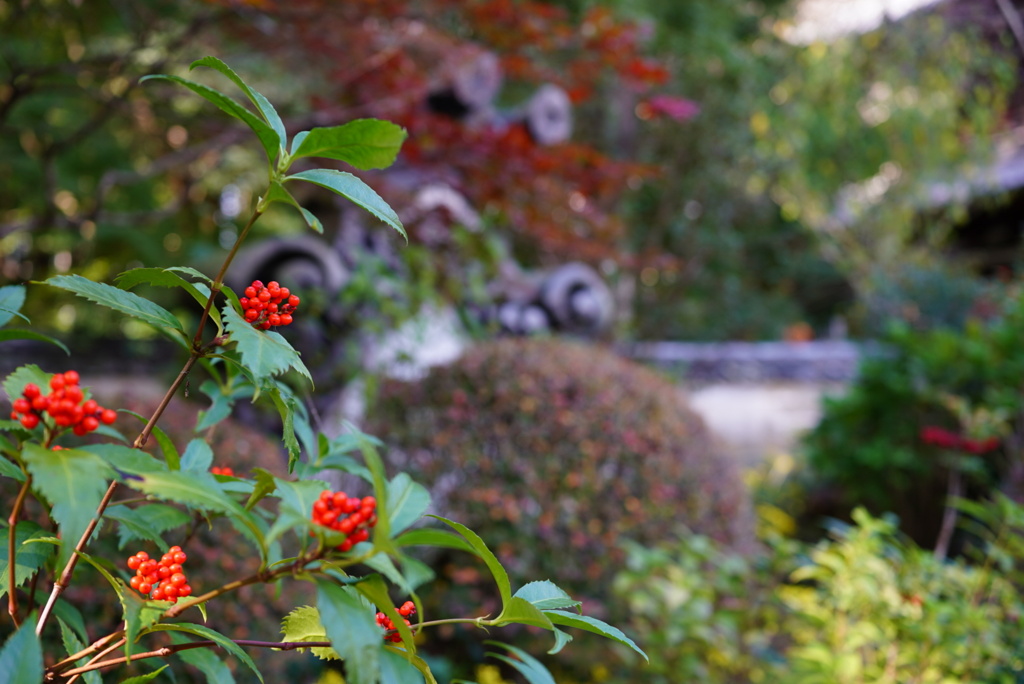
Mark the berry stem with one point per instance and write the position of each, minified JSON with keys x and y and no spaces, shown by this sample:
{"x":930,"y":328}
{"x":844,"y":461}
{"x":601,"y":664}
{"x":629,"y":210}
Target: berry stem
{"x":143,"y":437}
{"x":65,"y":576}
{"x":12,"y":522}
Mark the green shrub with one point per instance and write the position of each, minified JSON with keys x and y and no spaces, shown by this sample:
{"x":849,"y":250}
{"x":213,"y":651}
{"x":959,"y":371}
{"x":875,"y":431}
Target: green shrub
{"x":868,"y":441}
{"x":558,"y":451}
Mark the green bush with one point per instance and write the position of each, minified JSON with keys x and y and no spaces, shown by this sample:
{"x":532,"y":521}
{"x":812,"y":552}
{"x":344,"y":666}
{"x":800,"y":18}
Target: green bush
{"x":868,"y":442}
{"x":559,"y":451}
{"x":863,"y":606}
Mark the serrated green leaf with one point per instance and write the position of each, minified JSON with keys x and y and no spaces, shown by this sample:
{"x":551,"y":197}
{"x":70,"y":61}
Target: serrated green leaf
{"x":407,"y":502}
{"x":119,"y":300}
{"x":265,"y":485}
{"x":546,"y":595}
{"x":126,"y":459}
{"x":303,"y":624}
{"x":207,"y":633}
{"x":268,"y":137}
{"x":278,"y":193}
{"x":221,"y":405}
{"x":374,"y":589}
{"x":561,"y":640}
{"x":485,"y":554}
{"x":19,"y":334}
{"x":143,"y":679}
{"x":28,"y":557}
{"x":198,"y":456}
{"x":264,"y":352}
{"x":14,"y":384}
{"x":71,"y":616}
{"x":73,"y":482}
{"x":21,"y":658}
{"x":585,"y":622}
{"x":72,"y":644}
{"x":8,"y":469}
{"x":296,"y":509}
{"x":363,"y":143}
{"x":160,"y":277}
{"x":206,"y":661}
{"x":286,"y":408}
{"x":353,"y":631}
{"x":166,"y":445}
{"x":139,"y":615}
{"x":266,"y":109}
{"x":146,"y":522}
{"x":355,"y":190}
{"x":12,"y":298}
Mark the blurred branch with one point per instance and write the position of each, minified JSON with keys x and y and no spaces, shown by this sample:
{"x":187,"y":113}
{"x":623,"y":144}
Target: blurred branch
{"x":1014,"y":21}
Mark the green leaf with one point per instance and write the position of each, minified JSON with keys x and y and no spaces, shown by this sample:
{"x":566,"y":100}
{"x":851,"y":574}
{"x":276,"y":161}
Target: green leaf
{"x":278,"y":193}
{"x":28,"y":557}
{"x":207,"y":633}
{"x":425,"y":536}
{"x":407,"y":502}
{"x":401,"y":667}
{"x":266,"y":109}
{"x":139,"y":616}
{"x":166,"y":445}
{"x":264,"y":353}
{"x":198,"y":456}
{"x":561,"y":617}
{"x":297,"y":499}
{"x":72,"y":644}
{"x":520,"y":611}
{"x":363,"y":143}
{"x":222,"y":403}
{"x":353,"y":631}
{"x":119,"y":300}
{"x":303,"y":624}
{"x":350,"y":187}
{"x":12,"y":298}
{"x":287,"y":406}
{"x":206,"y":661}
{"x":376,"y":591}
{"x":524,"y":663}
{"x":73,"y":482}
{"x":19,"y":334}
{"x":14,"y":384}
{"x":546,"y":595}
{"x":21,"y":659}
{"x":142,"y":679}
{"x":146,"y":522}
{"x":485,"y":554}
{"x":71,"y":616}
{"x":269,"y":138}
{"x":126,"y":459}
{"x":265,"y":485}
{"x":561,"y":640}
{"x":161,"y":277}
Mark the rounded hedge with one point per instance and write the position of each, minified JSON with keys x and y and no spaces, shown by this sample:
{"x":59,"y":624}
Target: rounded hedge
{"x":555,"y":451}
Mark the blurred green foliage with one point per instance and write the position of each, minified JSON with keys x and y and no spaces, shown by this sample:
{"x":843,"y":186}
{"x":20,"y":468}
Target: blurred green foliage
{"x":865,"y":605}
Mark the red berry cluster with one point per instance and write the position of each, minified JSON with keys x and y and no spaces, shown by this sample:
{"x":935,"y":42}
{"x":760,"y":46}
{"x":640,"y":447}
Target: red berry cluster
{"x":945,"y":439}
{"x":353,"y":517}
{"x":405,"y":610}
{"x":226,"y":470}
{"x":63,"y":404}
{"x":268,"y":306}
{"x":164,"y":580}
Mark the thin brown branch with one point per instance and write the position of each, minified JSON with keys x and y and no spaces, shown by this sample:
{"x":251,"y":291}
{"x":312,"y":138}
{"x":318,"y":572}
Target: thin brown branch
{"x":102,"y":654}
{"x":12,"y":537}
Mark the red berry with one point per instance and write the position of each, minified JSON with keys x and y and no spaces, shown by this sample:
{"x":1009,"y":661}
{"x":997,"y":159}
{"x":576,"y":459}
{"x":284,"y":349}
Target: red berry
{"x":293,"y":301}
{"x":134,"y":562}
{"x":71,"y":377}
{"x":251,"y":315}
{"x":41,"y":403}
{"x":142,"y":555}
{"x":286,"y":319}
{"x":134,"y":582}
{"x":157,"y":595}
{"x":274,"y":319}
{"x":164,"y":572}
{"x":31,"y":391}
{"x":145,"y":587}
{"x":170,"y":592}
{"x":250,"y":291}
{"x":184,"y":590}
{"x":179,"y":557}
{"x":57,"y":382}
{"x":90,"y":407}
{"x":22,"y":405}
{"x":175,"y":567}
{"x":108,"y":416}
{"x":89,"y":423}
{"x":263,"y":296}
{"x":74,"y":394}
{"x":178,"y":579}
{"x":29,"y":421}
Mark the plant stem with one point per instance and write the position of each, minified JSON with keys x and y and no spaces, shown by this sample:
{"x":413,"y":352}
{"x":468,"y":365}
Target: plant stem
{"x":12,"y":522}
{"x":143,"y":437}
{"x":955,"y":489}
{"x":101,"y":654}
{"x":65,"y":576}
